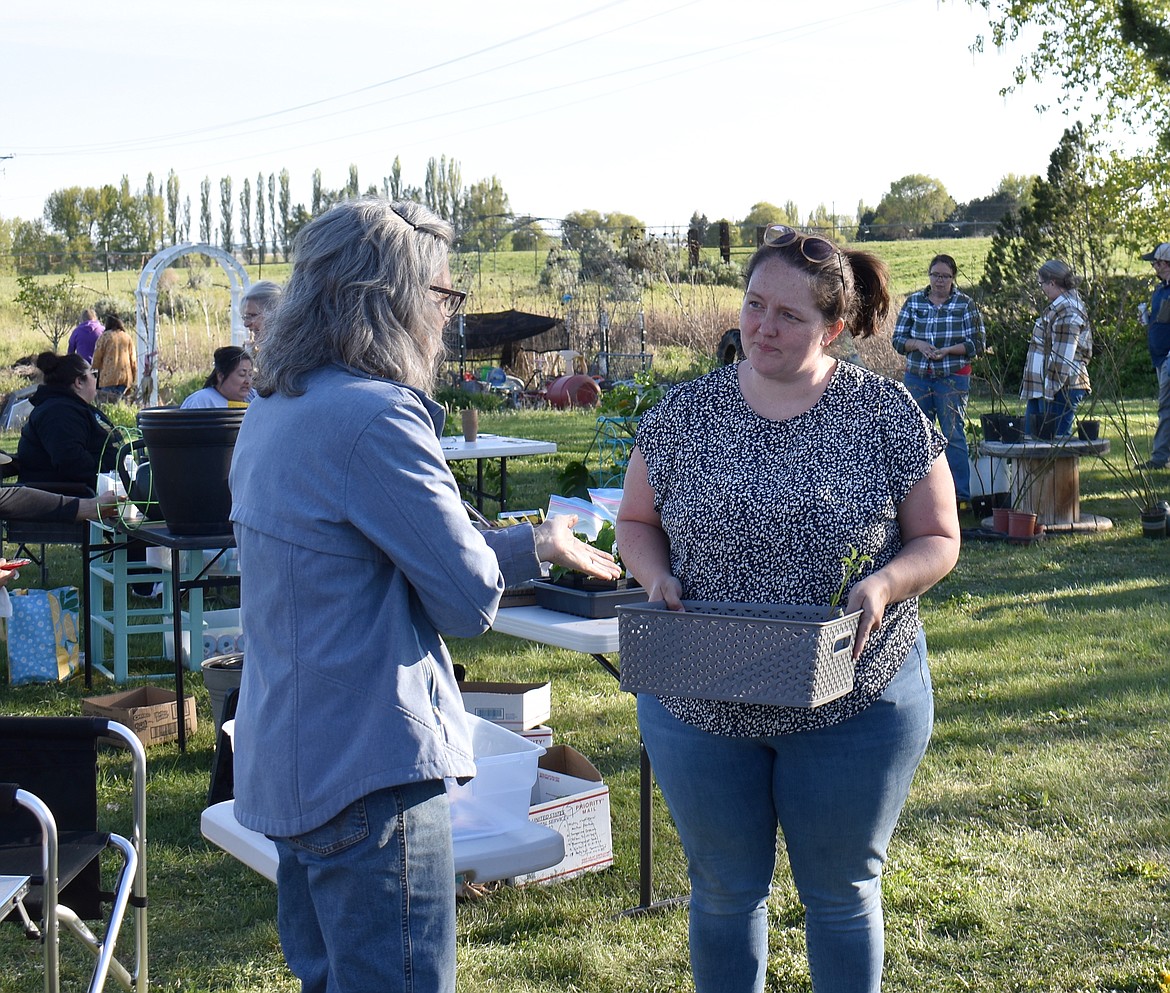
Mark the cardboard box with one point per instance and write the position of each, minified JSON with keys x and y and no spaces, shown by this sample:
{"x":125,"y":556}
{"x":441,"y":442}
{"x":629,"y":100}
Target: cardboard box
{"x":149,"y":711}
{"x":541,"y":735}
{"x":516,"y":706}
{"x":571,"y":799}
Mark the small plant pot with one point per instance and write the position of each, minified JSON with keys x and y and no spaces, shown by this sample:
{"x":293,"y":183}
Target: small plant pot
{"x":1088,"y":430}
{"x":1154,"y":524}
{"x":1042,"y":427}
{"x":1021,"y":524}
{"x":1002,"y":427}
{"x":999,"y":518}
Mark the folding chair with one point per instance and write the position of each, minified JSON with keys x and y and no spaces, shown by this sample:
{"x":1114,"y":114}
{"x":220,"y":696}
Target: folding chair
{"x":49,"y":832}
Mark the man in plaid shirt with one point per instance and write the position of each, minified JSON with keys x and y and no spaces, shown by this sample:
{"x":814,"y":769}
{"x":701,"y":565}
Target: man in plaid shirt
{"x":940,"y":331}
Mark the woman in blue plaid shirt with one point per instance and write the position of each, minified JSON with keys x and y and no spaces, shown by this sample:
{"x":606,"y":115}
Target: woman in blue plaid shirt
{"x":940,"y":331}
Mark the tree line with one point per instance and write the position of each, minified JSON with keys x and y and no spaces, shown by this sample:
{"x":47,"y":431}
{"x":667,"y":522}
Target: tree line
{"x":115,"y":227}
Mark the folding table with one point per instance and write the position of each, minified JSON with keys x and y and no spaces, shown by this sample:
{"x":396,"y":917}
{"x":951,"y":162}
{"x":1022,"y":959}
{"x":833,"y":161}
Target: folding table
{"x":598,"y":638}
{"x":492,"y":446}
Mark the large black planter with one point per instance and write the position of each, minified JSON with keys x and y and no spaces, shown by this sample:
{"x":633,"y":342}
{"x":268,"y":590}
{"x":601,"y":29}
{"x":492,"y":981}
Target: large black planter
{"x":190,"y":453}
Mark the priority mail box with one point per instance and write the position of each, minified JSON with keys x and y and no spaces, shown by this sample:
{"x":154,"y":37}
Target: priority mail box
{"x":570,"y":798}
{"x":516,"y":706}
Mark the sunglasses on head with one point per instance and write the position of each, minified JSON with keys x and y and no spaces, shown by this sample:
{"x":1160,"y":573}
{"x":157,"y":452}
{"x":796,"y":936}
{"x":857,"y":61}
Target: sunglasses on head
{"x":814,"y":249}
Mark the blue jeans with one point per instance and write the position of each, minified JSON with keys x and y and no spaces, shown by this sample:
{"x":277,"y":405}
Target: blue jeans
{"x":944,"y":399}
{"x":367,"y":900}
{"x":1059,"y":410}
{"x":1161,"y":452}
{"x":835,"y":792}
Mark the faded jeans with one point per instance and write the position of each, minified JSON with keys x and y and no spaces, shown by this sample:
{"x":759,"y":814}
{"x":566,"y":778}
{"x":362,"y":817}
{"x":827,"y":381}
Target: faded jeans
{"x":1059,"y":411}
{"x":835,"y":792}
{"x":1161,"y":453}
{"x":944,"y":398}
{"x":367,"y":900}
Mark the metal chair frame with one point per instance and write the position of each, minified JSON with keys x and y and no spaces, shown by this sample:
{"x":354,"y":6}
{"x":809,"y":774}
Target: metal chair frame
{"x":45,"y":872}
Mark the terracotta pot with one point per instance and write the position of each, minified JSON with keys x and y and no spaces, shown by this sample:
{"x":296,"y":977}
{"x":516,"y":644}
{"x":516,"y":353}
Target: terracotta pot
{"x":999,"y":518}
{"x":1021,"y":524}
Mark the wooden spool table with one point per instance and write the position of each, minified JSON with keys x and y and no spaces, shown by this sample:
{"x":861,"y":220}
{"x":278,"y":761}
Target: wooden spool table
{"x":1046,"y":480}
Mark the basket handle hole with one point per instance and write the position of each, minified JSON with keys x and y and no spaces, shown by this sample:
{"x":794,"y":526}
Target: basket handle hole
{"x":842,"y":644}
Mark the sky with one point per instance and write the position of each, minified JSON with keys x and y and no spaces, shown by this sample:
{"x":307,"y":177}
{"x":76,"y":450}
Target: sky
{"x":655,"y":108}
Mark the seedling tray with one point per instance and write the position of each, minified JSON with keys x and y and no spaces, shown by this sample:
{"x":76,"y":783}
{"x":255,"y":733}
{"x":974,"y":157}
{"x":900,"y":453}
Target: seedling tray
{"x":586,"y":602}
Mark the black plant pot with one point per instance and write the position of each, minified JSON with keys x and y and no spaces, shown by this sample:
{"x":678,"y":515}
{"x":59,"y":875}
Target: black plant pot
{"x":1002,"y":427}
{"x":1088,"y":430}
{"x":1042,"y":427}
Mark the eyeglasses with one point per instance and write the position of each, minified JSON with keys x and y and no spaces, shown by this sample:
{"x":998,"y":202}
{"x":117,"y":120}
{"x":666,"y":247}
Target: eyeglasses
{"x":449,"y":300}
{"x":942,"y":275}
{"x":814,"y":249}
{"x":246,"y":318}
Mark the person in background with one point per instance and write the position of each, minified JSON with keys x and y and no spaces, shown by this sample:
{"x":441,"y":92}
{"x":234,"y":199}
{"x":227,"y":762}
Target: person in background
{"x":1156,"y":317}
{"x":257,"y":303}
{"x":1056,"y":369}
{"x":357,"y":555}
{"x":754,"y":484}
{"x":66,"y":439}
{"x":229,"y":384}
{"x":940,"y":331}
{"x":114,"y":360}
{"x":84,"y":337}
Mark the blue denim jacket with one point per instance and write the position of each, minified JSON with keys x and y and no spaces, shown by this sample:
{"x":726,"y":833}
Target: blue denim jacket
{"x":355,"y":555}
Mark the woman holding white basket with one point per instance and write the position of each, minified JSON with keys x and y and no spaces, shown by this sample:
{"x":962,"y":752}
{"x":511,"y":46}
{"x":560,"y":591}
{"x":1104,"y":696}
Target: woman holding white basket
{"x":757,"y":483}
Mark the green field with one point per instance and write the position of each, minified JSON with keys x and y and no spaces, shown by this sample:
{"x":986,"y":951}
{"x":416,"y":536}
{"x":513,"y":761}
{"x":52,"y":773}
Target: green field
{"x":1034,"y":853}
{"x":198,"y":319}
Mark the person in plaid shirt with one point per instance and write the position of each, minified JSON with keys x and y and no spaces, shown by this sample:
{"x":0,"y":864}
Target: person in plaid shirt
{"x":940,"y":331}
{"x":1056,"y":376}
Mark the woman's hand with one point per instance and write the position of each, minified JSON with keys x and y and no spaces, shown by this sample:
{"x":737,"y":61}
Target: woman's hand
{"x":667,"y":589}
{"x":7,"y":572}
{"x":556,"y":543}
{"x":871,"y":596}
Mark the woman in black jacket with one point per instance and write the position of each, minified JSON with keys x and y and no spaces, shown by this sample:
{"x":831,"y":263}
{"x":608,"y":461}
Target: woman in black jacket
{"x":66,"y":439}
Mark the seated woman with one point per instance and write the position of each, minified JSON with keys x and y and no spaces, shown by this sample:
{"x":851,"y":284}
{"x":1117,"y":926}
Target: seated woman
{"x":230,"y":382}
{"x":66,"y":440}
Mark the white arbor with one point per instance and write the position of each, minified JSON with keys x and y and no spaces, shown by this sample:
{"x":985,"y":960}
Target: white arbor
{"x":146,"y":297}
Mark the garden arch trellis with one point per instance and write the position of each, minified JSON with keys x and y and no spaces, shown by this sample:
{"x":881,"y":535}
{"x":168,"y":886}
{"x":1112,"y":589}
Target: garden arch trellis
{"x":146,"y":300}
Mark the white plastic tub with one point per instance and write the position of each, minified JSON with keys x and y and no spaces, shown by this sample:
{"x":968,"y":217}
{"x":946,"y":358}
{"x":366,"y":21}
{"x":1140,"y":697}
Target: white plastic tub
{"x":497,"y":799}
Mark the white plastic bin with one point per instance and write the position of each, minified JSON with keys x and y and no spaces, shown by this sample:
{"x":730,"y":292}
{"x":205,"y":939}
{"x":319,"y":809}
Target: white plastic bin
{"x":497,"y":799}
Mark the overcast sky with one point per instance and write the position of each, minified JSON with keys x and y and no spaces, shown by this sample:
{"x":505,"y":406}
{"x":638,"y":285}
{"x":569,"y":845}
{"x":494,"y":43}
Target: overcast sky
{"x":655,"y":108}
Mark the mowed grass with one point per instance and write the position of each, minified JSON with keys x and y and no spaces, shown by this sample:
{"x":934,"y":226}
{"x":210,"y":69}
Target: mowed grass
{"x":1034,"y":853}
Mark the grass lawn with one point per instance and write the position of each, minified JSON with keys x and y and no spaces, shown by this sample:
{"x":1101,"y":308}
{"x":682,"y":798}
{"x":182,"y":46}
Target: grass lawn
{"x":1034,"y":853}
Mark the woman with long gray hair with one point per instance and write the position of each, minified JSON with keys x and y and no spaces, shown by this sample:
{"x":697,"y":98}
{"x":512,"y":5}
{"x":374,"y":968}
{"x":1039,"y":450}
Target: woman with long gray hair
{"x":357,"y":555}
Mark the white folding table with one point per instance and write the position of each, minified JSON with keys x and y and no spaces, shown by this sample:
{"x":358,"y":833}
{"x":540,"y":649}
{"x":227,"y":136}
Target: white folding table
{"x":525,"y":848}
{"x":492,"y":446}
{"x":598,"y":638}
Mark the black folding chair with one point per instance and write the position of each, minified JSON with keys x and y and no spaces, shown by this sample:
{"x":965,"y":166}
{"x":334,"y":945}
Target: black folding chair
{"x":49,"y":832}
